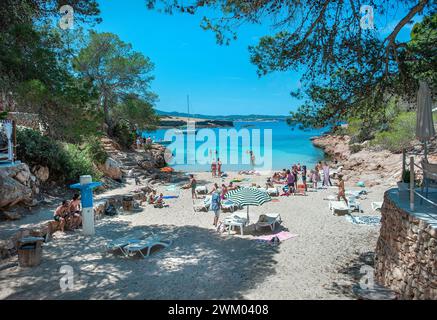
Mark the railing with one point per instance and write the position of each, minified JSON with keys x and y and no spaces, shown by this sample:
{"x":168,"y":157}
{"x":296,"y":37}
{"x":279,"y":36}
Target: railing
{"x":412,"y":189}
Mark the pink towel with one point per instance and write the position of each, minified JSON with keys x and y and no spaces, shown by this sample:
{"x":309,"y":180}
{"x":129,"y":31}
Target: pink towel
{"x":283,"y":235}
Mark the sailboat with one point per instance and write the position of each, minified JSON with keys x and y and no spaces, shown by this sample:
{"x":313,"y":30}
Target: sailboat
{"x":185,"y":129}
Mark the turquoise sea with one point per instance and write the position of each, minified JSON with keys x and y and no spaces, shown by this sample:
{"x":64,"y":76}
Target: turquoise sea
{"x":287,"y":146}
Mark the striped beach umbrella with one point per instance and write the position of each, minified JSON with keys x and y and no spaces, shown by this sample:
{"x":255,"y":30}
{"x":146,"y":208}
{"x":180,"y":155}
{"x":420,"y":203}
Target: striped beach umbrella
{"x":248,"y":196}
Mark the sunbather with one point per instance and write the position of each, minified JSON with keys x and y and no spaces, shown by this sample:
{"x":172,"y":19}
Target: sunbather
{"x":61,"y":214}
{"x":214,"y":188}
{"x":75,"y":214}
{"x":159,"y":203}
{"x":269,"y":183}
{"x":193,"y":185}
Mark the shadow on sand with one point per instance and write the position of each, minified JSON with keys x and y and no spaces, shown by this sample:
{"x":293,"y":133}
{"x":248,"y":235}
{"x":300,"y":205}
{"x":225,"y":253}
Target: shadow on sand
{"x":200,"y":264}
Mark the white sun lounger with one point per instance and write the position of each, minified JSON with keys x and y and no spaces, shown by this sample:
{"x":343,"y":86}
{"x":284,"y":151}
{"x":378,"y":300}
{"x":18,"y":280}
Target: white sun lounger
{"x":148,"y":244}
{"x":120,"y":244}
{"x":269,"y":220}
{"x":236,"y":220}
{"x":201,"y":190}
{"x":376,"y":206}
{"x":354,"y":204}
{"x":270,"y":191}
{"x":339,"y":207}
{"x":356,"y":193}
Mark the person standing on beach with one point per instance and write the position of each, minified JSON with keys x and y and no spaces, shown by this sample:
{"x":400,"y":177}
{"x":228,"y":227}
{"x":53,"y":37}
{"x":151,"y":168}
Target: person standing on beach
{"x":326,"y":179}
{"x":215,"y":206}
{"x":219,"y":167}
{"x":290,"y":182}
{"x":304,"y":176}
{"x":193,"y":185}
{"x":341,"y":189}
{"x":213,"y":168}
{"x":252,"y":159}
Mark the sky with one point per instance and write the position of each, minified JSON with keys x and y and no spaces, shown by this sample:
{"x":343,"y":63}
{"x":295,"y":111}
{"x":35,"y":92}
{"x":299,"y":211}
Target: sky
{"x":220,"y":80}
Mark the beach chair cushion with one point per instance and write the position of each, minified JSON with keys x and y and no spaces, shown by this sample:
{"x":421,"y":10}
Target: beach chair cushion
{"x":339,"y":207}
{"x":148,"y":244}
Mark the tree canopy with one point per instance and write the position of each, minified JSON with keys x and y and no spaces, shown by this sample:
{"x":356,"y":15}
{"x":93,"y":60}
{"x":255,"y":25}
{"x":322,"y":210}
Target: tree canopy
{"x":348,"y":70}
{"x":117,"y":71}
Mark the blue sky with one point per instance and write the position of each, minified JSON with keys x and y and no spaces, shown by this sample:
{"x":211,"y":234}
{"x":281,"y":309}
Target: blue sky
{"x":219,"y":79}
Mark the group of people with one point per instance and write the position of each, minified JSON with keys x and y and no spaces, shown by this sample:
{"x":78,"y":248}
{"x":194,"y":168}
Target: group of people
{"x":290,"y":177}
{"x":216,"y":168}
{"x":69,"y":214}
{"x":154,"y":199}
{"x":140,"y":142}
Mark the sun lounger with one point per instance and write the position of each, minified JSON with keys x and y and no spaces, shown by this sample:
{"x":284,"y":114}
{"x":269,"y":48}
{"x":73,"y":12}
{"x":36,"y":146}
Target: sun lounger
{"x":376,"y":206}
{"x":269,"y":220}
{"x":353,"y":204}
{"x":339,"y":207}
{"x":236,"y":220}
{"x":356,"y":193}
{"x":120,"y":244}
{"x":331,"y":197}
{"x":148,"y":244}
{"x":270,"y":191}
{"x":228,"y":205}
{"x":201,"y":190}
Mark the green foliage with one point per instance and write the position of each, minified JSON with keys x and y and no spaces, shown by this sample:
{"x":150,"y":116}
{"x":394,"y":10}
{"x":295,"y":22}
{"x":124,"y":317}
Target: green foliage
{"x":116,"y":70}
{"x":354,"y":148}
{"x":66,"y":162}
{"x":95,"y":151}
{"x":124,"y":134}
{"x":400,"y":134}
{"x":79,"y":162}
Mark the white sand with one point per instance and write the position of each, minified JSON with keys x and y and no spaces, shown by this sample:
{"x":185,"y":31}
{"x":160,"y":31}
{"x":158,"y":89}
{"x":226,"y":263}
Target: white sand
{"x":321,"y":263}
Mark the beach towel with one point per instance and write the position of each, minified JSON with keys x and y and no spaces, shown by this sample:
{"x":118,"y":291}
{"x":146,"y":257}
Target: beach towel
{"x":364,"y":220}
{"x":170,"y":197}
{"x":282,"y":236}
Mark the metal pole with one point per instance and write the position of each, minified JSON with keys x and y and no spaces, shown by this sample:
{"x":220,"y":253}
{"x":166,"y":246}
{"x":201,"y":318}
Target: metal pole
{"x":412,"y":183}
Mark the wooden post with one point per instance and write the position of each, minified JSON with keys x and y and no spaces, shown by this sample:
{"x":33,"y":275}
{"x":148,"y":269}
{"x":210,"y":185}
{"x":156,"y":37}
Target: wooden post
{"x":404,"y":161}
{"x":412,"y":183}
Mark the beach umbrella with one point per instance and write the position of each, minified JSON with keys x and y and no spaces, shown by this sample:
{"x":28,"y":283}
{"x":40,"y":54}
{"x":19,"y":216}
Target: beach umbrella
{"x":248,"y":196}
{"x":425,"y":124}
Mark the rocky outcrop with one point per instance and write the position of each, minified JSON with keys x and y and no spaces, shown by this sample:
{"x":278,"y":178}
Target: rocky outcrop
{"x":111,"y":169}
{"x":406,"y":252}
{"x":17,"y":186}
{"x":373,"y":167}
{"x":152,"y":158}
{"x":42,"y":173}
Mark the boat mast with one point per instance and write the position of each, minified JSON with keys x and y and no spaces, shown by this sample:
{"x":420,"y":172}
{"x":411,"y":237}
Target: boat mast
{"x":188,"y":104}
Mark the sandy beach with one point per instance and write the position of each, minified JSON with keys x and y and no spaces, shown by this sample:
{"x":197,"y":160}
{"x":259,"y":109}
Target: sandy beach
{"x":322,"y":262}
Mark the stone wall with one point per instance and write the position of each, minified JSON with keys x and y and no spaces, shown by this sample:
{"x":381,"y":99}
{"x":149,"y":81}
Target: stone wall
{"x":406,"y":253}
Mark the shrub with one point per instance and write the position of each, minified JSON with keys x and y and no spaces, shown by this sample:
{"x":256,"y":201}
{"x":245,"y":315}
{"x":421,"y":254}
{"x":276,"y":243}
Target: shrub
{"x":96,"y":151}
{"x":66,"y":162}
{"x":354,"y":148}
{"x":124,"y":134}
{"x":400,"y":134}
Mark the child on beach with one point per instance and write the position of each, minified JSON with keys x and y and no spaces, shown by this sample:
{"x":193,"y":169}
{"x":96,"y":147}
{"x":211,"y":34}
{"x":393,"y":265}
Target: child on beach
{"x":341,"y":189}
{"x":193,"y":185}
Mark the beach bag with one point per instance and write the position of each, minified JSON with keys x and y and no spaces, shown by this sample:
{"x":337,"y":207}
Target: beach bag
{"x":221,"y":227}
{"x":275,"y":241}
{"x":110,"y":210}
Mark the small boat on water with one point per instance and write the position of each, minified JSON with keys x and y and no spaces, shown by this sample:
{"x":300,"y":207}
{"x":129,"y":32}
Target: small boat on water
{"x":186,"y":130}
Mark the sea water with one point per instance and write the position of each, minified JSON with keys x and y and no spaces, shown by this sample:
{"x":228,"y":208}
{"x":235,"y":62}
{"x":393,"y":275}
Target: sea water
{"x":288,"y":146}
